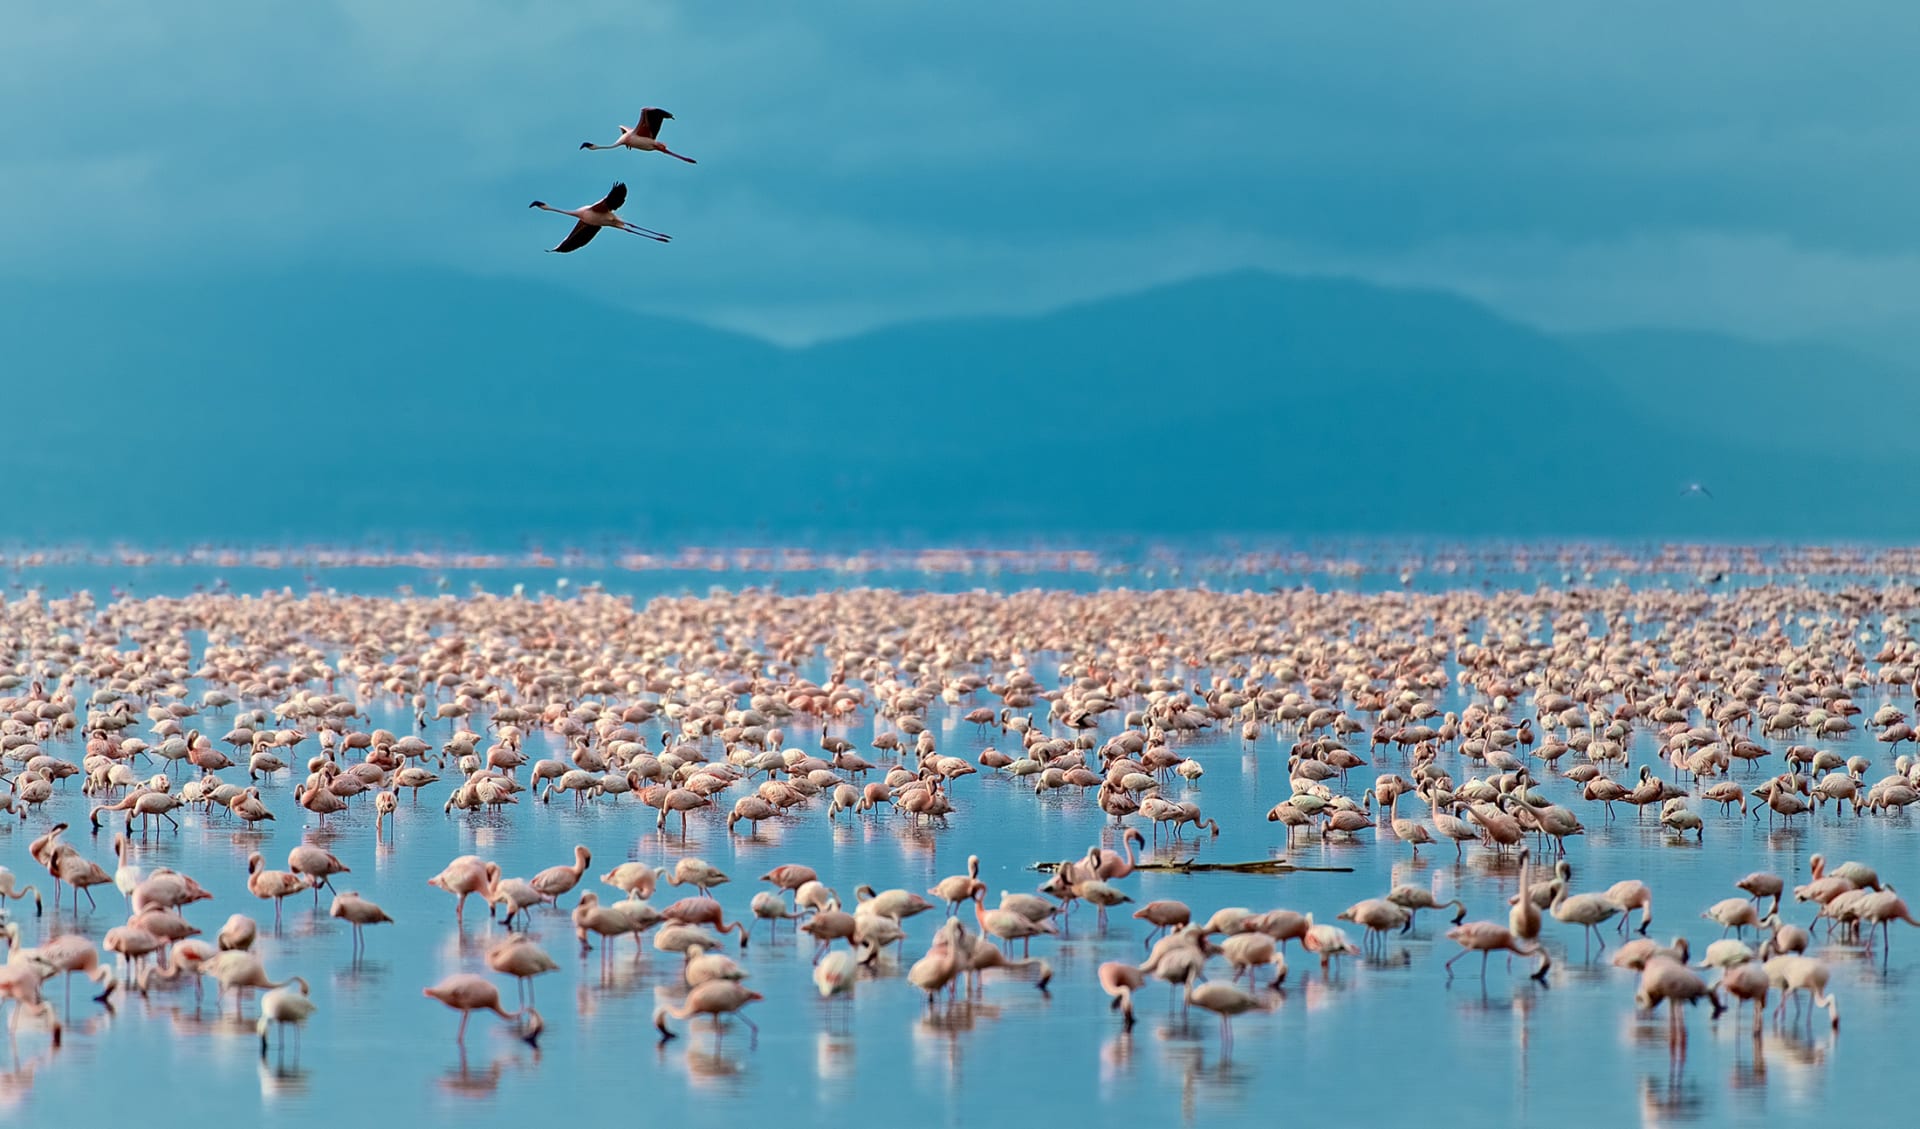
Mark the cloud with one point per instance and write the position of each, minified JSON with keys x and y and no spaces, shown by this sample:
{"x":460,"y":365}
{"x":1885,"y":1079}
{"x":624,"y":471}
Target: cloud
{"x":869,"y":161}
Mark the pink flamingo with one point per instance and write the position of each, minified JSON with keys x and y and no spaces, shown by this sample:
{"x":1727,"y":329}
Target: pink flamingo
{"x":715,"y":998}
{"x":467,"y":993}
{"x":468,"y":874}
{"x":1484,"y":937}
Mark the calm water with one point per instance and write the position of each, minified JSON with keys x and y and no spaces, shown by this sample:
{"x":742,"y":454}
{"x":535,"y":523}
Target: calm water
{"x":1386,"y":1040}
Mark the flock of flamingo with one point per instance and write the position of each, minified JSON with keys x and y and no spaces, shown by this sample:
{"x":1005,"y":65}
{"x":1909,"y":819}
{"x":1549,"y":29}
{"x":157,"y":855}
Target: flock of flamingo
{"x":1503,"y":722}
{"x":589,"y":219}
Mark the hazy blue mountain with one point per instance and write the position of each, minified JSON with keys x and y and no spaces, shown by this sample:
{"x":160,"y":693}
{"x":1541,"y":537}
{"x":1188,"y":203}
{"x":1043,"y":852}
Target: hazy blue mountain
{"x":1796,"y":394}
{"x":1897,"y":343}
{"x":336,"y":406}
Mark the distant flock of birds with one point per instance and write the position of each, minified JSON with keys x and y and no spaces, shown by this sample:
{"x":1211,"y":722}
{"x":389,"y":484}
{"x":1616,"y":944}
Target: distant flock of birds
{"x":1706,"y":680}
{"x":157,"y":947}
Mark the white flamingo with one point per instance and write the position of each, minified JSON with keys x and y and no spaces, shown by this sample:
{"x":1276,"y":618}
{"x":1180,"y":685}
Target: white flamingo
{"x":595,"y":216}
{"x":644,"y":137}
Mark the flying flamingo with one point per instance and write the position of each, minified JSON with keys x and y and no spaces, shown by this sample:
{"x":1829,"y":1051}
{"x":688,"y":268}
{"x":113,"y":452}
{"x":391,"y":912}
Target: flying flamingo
{"x":591,"y":219}
{"x":644,"y":137}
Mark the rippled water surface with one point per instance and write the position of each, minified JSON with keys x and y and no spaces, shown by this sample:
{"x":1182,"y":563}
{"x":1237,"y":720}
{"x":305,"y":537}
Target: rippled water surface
{"x":1384,"y":1040}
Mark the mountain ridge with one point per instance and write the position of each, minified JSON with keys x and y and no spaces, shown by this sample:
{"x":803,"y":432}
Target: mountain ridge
{"x":339,"y":404}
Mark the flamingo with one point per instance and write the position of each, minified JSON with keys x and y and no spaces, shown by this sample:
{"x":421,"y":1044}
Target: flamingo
{"x":698,"y":873}
{"x":713,"y":997}
{"x":1224,"y":1000}
{"x":1007,"y":925}
{"x":284,"y":1008}
{"x":1585,"y":910}
{"x":10,"y":889}
{"x":78,"y":872}
{"x":643,"y":137}
{"x":944,"y":962}
{"x":1108,"y":865}
{"x":790,"y":876}
{"x":1793,"y":974}
{"x":278,"y":885}
{"x":315,"y":865}
{"x":237,"y":934}
{"x":467,"y":993}
{"x":959,"y":888}
{"x":238,"y":970}
{"x":359,"y":913}
{"x":557,"y":880}
{"x":468,"y":874}
{"x":1121,"y":980}
{"x":836,"y":974}
{"x":518,"y":956}
{"x":1665,"y":980}
{"x":20,"y":982}
{"x":592,"y":218}
{"x":1163,"y":915}
{"x":1523,"y":920}
{"x":1484,"y":937}
{"x":69,"y":953}
{"x":126,"y":876}
{"x":636,"y":879}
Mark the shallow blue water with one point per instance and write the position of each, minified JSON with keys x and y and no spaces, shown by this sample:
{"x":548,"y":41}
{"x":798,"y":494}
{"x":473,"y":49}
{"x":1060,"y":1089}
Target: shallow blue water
{"x":1386,"y":1040}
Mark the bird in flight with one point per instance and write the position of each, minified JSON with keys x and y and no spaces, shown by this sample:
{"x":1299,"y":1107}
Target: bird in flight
{"x":1696,"y":488}
{"x":644,"y":136}
{"x":593,"y":217}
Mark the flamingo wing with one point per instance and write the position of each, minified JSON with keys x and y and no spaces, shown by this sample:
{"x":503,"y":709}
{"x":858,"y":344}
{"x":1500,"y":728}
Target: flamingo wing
{"x":650,"y":121}
{"x":615,"y":197}
{"x":581,"y":235}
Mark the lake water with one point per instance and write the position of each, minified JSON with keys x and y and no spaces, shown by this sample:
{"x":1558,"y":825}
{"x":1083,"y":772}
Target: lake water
{"x":1386,"y":1040}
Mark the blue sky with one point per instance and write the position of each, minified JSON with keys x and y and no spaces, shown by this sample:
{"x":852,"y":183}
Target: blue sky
{"x":1744,"y":166}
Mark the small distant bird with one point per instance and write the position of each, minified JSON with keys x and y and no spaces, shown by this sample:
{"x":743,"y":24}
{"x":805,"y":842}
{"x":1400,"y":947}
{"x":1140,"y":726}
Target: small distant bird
{"x":1696,"y":488}
{"x":645,"y":136}
{"x":595,"y":216}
